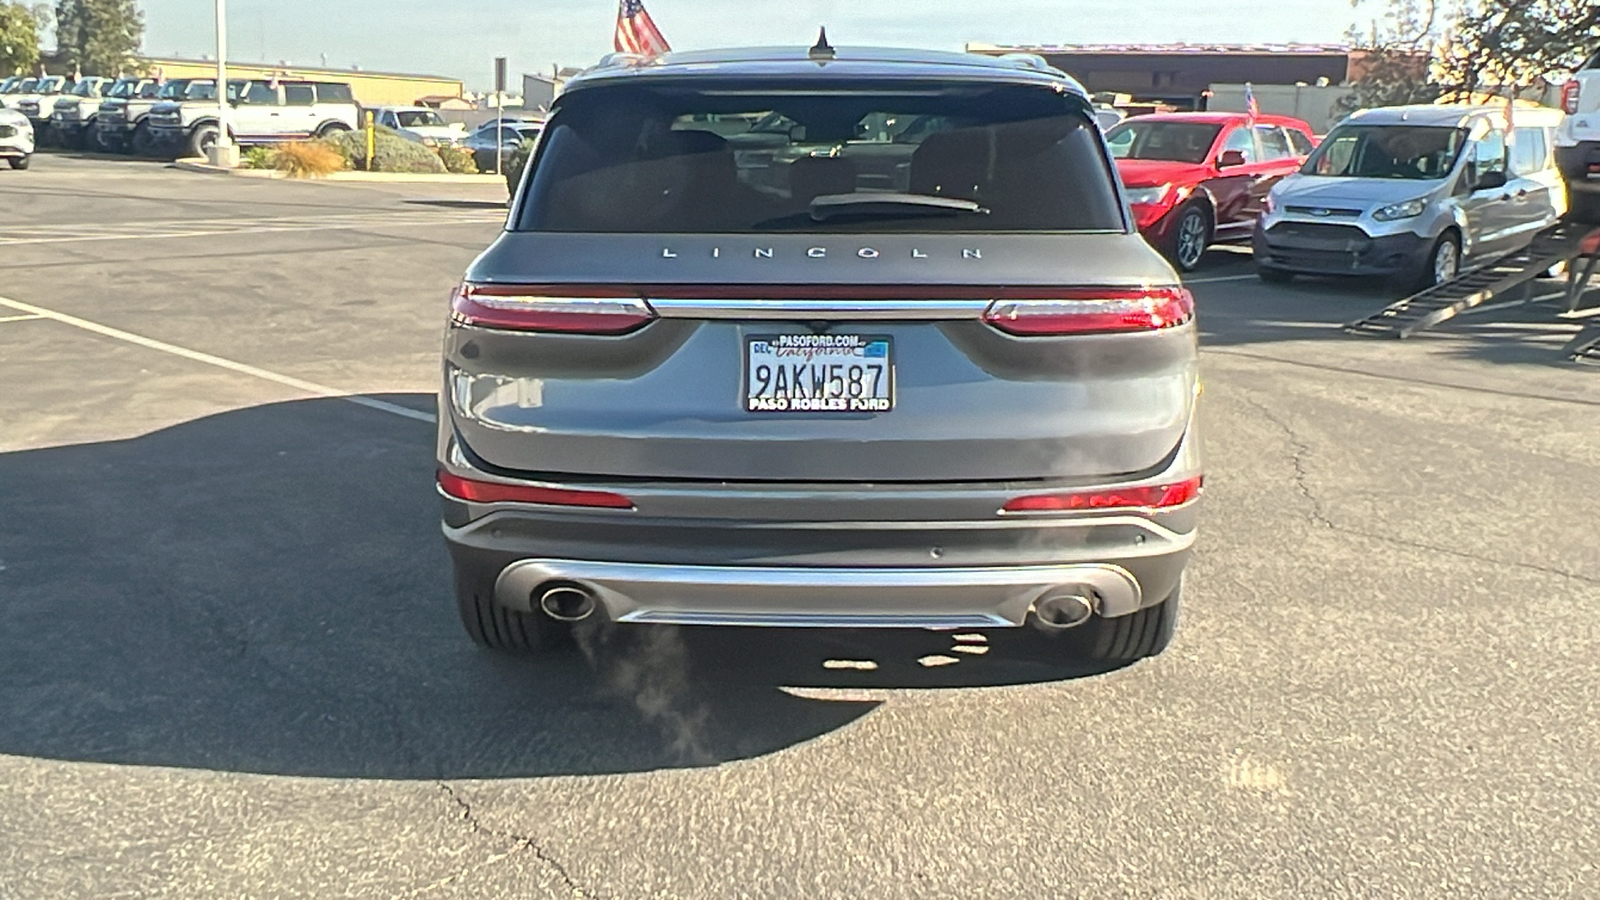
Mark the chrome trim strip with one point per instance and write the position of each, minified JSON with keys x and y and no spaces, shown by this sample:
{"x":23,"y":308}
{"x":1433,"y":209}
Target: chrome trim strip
{"x":839,"y":620}
{"x":931,"y":597}
{"x":756,"y":308}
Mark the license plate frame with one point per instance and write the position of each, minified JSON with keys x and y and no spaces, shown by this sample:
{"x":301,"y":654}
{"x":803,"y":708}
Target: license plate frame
{"x":832,"y":392}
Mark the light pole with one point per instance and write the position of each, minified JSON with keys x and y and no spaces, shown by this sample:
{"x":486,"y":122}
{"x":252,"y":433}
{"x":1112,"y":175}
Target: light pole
{"x":223,"y":152}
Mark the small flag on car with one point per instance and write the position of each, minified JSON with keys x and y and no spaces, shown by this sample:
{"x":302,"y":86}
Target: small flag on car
{"x":637,"y":32}
{"x":1250,"y":105}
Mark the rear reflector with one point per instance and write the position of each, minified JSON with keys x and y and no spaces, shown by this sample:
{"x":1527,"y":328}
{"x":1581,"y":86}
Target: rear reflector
{"x":1155,"y":496}
{"x":521,"y":308}
{"x":1093,"y":311}
{"x":494,"y":492}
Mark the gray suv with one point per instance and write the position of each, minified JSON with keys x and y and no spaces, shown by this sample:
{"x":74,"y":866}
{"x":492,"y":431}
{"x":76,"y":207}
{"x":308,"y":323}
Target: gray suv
{"x":843,"y":338}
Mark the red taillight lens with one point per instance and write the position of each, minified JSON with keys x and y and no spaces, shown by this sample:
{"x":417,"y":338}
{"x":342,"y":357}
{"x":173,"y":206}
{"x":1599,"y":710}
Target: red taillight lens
{"x":1093,"y":311}
{"x":1155,"y":496}
{"x":1569,"y":96}
{"x":493,"y":492}
{"x":546,"y":308}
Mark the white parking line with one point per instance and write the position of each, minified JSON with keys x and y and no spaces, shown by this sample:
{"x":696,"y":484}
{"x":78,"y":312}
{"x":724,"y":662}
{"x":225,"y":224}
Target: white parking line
{"x":1220,"y":278}
{"x":5,"y":319}
{"x":299,"y":384}
{"x":71,"y":234}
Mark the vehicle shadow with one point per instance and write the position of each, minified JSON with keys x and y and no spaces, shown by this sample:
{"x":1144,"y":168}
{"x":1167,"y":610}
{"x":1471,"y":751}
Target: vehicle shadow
{"x":265,"y":590}
{"x":457,"y":204}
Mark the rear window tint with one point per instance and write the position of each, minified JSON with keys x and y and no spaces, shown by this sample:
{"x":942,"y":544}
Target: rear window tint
{"x":740,"y":161}
{"x":330,"y":92}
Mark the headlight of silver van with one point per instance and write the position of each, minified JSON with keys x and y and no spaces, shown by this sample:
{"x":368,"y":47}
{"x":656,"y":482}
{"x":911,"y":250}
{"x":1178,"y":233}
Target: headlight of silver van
{"x":1404,"y":210}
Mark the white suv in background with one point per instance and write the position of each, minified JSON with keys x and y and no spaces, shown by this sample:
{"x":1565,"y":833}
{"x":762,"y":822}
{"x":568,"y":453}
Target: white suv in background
{"x":1578,"y":140}
{"x":421,"y":124}
{"x":16,"y":138}
{"x":263,"y":112}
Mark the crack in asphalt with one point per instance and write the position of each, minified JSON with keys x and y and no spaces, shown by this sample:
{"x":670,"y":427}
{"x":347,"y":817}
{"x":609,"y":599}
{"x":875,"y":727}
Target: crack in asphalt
{"x":523,"y":842}
{"x":1300,"y":449}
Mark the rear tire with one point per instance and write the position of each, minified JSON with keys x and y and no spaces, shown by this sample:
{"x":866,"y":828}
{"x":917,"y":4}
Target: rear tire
{"x":20,"y":162}
{"x":331,"y":129}
{"x":1127,"y":638}
{"x":1584,"y":208}
{"x":496,"y":627}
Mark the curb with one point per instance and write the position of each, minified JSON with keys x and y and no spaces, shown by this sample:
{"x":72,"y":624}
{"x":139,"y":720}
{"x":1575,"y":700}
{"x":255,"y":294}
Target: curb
{"x":198,"y":164}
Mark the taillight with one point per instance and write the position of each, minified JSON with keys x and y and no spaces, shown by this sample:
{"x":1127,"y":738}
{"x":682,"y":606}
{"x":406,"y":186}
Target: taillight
{"x":601,"y":310}
{"x":1093,"y":311}
{"x":1569,"y":96}
{"x":1155,"y":496}
{"x":494,"y":492}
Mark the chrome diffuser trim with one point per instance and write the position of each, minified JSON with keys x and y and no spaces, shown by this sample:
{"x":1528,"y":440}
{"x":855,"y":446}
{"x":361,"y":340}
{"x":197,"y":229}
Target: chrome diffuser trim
{"x":819,"y":597}
{"x":881,"y":310}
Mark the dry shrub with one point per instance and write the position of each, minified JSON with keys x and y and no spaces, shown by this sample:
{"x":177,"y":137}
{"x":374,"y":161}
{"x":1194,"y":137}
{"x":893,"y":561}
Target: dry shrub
{"x":308,"y":159}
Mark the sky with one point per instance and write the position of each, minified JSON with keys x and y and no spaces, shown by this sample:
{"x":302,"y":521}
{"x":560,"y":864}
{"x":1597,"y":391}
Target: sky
{"x":460,"y":38}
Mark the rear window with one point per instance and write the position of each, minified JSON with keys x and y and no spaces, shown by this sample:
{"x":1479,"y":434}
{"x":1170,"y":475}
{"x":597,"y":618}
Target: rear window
{"x":334,"y":92}
{"x":854,"y":160}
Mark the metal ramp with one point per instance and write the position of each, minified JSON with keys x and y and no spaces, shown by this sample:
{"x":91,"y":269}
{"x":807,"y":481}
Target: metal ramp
{"x":1585,"y":348}
{"x":1564,"y":242}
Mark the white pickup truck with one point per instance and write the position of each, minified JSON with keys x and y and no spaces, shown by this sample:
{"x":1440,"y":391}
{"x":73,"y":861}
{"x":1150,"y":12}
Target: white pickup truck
{"x":1578,"y":140}
{"x":261,"y":111}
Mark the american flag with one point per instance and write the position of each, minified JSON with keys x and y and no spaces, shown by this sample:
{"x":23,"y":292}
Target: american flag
{"x":637,"y":32}
{"x":1250,"y":104}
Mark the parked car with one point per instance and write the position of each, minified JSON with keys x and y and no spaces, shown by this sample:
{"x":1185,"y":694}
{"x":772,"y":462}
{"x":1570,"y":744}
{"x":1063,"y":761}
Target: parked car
{"x":506,"y":136}
{"x":1108,"y":116}
{"x":29,"y":104}
{"x":72,"y":117}
{"x":1197,"y":178}
{"x":262,"y":112}
{"x":16,"y":138}
{"x":123,"y":123}
{"x":677,"y":390}
{"x":1414,"y":192}
{"x":420,"y":124}
{"x":15,"y":89}
{"x":1578,"y":140}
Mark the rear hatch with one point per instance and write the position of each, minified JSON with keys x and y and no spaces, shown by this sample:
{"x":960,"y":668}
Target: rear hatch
{"x":863,"y":283}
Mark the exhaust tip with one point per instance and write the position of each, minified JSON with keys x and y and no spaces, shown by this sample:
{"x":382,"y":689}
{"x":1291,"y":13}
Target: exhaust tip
{"x":565,"y":602}
{"x":1062,"y":610}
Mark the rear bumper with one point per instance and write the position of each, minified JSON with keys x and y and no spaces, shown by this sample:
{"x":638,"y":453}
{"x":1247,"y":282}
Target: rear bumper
{"x":935,"y":556}
{"x":1392,"y":254}
{"x":927,"y":597}
{"x":1580,"y":166}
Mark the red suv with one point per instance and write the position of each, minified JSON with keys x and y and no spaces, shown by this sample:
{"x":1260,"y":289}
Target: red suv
{"x":1195,"y":178}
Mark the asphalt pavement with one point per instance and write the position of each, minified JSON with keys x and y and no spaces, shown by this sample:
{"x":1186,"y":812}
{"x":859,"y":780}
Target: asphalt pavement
{"x":230,"y":664}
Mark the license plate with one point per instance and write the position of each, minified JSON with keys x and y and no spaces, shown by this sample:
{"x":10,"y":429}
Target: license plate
{"x":818,"y":373}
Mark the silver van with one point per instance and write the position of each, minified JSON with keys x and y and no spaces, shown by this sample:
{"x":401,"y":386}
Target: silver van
{"x":1415,"y":193}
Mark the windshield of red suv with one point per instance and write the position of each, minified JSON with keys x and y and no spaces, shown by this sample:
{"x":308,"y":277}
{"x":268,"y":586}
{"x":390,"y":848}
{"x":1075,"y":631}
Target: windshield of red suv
{"x":928,"y":158}
{"x":1188,"y":142}
{"x":1387,"y":151}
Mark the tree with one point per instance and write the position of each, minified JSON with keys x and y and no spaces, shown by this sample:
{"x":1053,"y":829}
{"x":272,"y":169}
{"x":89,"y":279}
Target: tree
{"x":19,"y":39}
{"x":101,"y":37}
{"x":1513,"y":44}
{"x":1391,"y":64}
